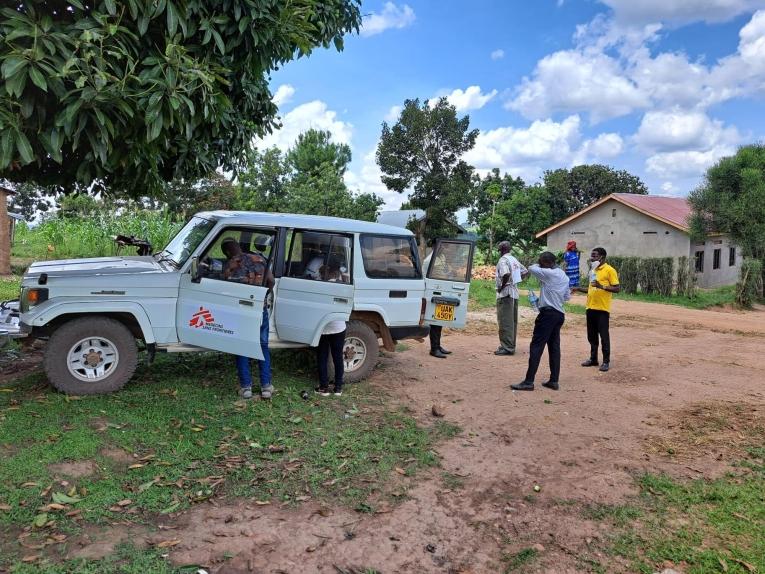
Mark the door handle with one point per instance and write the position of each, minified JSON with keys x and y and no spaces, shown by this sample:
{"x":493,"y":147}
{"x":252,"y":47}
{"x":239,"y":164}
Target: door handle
{"x":458,"y":287}
{"x":245,"y":302}
{"x":341,"y":300}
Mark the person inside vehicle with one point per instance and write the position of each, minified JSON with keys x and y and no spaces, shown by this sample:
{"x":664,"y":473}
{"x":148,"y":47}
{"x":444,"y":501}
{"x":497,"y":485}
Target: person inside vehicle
{"x":314,"y":265}
{"x":252,"y":269}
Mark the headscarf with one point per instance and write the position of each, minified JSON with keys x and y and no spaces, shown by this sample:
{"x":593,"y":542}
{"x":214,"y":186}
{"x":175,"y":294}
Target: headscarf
{"x":571,"y":246}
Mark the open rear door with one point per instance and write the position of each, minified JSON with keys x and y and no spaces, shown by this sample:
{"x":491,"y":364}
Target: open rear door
{"x":447,"y":283}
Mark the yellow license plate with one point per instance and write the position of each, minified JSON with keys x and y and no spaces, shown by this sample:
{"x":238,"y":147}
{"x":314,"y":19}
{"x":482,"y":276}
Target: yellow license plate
{"x":444,"y":312}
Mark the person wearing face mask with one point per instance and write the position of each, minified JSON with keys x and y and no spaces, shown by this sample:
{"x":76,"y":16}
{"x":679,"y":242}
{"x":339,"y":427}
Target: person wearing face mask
{"x":604,"y":282}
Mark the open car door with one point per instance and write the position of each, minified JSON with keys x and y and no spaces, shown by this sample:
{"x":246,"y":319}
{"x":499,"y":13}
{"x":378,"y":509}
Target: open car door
{"x":447,"y":283}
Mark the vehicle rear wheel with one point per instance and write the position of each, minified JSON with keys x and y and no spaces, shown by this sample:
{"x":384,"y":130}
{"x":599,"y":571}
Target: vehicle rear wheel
{"x":90,"y":356}
{"x":360,"y":352}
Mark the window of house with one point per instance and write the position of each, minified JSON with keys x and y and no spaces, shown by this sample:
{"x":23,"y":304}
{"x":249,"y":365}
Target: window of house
{"x":613,"y":213}
{"x":577,"y":233}
{"x":732,"y":257}
{"x":319,"y":256}
{"x":716,"y":254}
{"x":239,"y":255}
{"x":650,"y":233}
{"x":388,"y":257}
{"x":699,"y":261}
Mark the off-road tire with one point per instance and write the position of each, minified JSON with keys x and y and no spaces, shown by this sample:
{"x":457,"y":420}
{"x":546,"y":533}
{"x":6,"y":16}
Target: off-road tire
{"x":363,"y":332}
{"x":62,"y":340}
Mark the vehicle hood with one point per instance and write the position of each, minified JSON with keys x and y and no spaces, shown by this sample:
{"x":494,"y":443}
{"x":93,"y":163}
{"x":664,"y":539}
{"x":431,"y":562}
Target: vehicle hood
{"x":95,"y":266}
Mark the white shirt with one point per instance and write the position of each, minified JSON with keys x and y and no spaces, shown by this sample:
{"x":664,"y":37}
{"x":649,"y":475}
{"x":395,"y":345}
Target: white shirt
{"x":509,"y":264}
{"x":313,"y":267}
{"x":554,"y":289}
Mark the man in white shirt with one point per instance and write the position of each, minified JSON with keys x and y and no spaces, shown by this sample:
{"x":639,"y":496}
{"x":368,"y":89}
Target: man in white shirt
{"x":509,"y":274}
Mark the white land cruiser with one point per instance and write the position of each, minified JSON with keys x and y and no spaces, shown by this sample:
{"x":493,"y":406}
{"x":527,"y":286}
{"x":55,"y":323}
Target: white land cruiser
{"x":93,"y":311}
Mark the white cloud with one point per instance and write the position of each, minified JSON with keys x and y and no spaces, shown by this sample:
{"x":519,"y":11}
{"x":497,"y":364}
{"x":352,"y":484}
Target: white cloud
{"x":367,"y":180}
{"x":675,"y":130}
{"x":497,"y":54}
{"x":469,"y":99}
{"x":573,"y":81}
{"x":304,"y":117}
{"x":680,"y":11}
{"x":392,"y":16}
{"x":527,"y":152}
{"x":685,"y":164}
{"x":393,"y":113}
{"x":283,"y":94}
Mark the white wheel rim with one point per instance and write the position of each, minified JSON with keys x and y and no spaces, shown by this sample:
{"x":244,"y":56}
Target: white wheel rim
{"x":354,"y":353}
{"x":92,"y":359}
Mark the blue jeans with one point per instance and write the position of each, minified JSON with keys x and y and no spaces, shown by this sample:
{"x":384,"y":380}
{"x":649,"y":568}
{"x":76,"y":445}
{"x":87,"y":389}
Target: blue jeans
{"x":264,"y":366}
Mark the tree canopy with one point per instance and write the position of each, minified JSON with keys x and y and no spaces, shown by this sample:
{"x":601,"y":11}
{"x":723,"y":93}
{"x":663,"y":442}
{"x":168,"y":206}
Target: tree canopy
{"x":423,"y":152}
{"x":571,"y":190}
{"x":308,"y":178}
{"x":732,"y":201}
{"x":133,"y":94}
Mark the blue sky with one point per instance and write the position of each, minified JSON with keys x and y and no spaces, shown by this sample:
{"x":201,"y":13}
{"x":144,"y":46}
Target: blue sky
{"x":662,"y":88}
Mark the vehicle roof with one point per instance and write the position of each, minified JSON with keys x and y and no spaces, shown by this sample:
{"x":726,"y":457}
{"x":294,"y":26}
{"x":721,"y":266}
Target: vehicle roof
{"x":302,"y":221}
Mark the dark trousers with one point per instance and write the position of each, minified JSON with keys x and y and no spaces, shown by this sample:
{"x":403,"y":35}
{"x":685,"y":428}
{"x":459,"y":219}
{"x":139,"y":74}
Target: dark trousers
{"x":597,"y":328}
{"x":331,"y":344}
{"x":435,"y":337}
{"x":546,"y":333}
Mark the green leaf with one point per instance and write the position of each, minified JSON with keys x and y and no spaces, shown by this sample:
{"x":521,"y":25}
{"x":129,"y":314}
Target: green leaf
{"x":218,"y":41}
{"x":61,"y":498}
{"x":77,"y":4}
{"x":172,"y":18}
{"x":170,"y":508}
{"x":143,"y":24}
{"x":12,"y":65}
{"x":25,"y":150}
{"x":40,"y":520}
{"x":38,"y":79}
{"x":111,"y":7}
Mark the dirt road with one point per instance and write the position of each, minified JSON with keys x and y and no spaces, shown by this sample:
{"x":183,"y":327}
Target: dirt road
{"x":582,"y":444}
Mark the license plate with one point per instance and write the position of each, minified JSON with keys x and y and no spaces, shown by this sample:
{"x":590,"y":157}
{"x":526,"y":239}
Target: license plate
{"x":444,"y":312}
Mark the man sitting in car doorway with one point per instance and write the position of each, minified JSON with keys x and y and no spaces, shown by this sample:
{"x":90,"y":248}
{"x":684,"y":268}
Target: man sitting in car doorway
{"x":252,"y":269}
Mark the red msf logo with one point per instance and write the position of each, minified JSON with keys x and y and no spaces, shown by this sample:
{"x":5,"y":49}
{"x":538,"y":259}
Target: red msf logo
{"x":201,"y":318}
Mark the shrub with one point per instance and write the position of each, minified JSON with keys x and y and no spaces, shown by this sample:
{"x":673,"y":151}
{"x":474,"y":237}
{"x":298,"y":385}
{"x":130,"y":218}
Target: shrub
{"x":685,"y":285}
{"x":655,"y":275}
{"x":628,"y":269}
{"x":750,"y":284}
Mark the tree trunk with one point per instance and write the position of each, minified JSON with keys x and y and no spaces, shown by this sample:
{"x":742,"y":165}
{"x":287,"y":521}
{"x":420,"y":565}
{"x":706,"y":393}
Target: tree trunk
{"x":5,"y":236}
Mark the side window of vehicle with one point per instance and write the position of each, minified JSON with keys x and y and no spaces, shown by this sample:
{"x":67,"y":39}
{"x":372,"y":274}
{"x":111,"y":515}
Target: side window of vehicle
{"x":450,"y":262}
{"x":319,"y":256}
{"x":390,"y":257}
{"x":240,"y":255}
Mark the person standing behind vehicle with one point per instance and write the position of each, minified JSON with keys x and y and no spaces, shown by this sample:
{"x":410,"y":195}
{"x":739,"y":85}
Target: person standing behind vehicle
{"x":332,"y":338}
{"x":554,"y":291}
{"x":604,"y":282}
{"x":441,"y":269}
{"x":510,"y":272}
{"x":571,"y":258}
{"x":252,"y":269}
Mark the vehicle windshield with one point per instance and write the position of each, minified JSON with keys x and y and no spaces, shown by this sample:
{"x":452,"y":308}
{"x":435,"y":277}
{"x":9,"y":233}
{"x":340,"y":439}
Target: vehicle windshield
{"x":187,"y":240}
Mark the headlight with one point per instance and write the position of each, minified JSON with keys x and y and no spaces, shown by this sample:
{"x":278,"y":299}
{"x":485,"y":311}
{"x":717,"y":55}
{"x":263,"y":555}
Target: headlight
{"x":32,"y":296}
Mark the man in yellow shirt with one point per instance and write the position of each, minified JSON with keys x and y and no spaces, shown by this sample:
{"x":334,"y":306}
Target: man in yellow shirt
{"x":604,"y":282}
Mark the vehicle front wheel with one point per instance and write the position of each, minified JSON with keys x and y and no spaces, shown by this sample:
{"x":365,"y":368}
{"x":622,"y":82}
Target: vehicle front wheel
{"x":360,"y":352}
{"x":90,"y":356}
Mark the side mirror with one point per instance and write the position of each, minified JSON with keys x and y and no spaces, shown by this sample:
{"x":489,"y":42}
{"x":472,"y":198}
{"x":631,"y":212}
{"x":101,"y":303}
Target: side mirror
{"x":195,"y":275}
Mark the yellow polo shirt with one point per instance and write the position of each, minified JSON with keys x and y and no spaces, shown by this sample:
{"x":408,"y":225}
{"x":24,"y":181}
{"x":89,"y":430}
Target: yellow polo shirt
{"x":599,"y":299}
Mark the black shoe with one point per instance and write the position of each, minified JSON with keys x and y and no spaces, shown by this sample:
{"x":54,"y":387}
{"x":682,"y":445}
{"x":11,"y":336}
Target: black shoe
{"x":604,"y":367}
{"x":323,"y":391}
{"x":524,"y":386}
{"x":552,"y":385}
{"x":438,"y":354}
{"x":502,"y":352}
{"x":590,"y":363}
{"x":444,"y":351}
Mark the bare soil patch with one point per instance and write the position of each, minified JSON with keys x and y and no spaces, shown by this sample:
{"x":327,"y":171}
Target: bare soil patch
{"x":524,"y":464}
{"x":77,"y":469}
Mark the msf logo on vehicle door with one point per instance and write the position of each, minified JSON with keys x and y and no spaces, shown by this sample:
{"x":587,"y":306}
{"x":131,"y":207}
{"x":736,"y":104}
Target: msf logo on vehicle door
{"x":205,"y":321}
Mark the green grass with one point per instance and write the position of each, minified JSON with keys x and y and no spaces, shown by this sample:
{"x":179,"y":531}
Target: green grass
{"x":186,"y":439}
{"x":483,"y":295}
{"x":9,"y":287}
{"x":518,"y":561}
{"x":710,"y":525}
{"x":704,"y":299}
